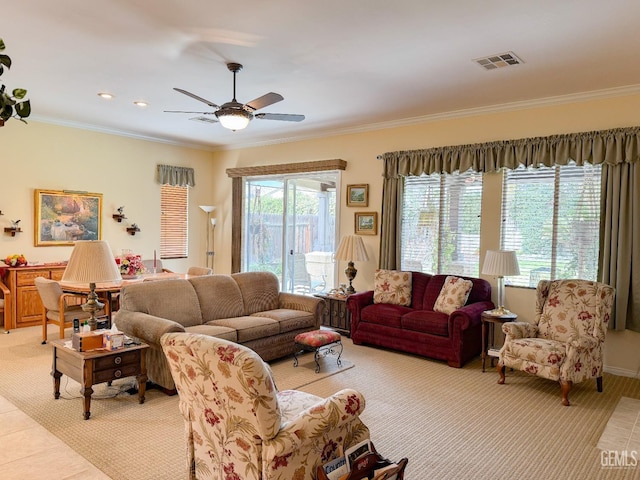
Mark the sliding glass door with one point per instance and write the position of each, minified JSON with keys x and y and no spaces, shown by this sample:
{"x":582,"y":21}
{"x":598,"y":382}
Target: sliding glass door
{"x":290,"y":229}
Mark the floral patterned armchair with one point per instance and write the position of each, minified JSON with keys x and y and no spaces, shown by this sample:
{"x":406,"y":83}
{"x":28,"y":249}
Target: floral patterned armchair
{"x":238,"y":426}
{"x":565,"y":341}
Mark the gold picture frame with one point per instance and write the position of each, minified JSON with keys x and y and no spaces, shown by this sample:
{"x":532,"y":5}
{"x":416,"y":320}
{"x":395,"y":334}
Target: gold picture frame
{"x":358,"y":195}
{"x":64,"y":216}
{"x":366,"y":223}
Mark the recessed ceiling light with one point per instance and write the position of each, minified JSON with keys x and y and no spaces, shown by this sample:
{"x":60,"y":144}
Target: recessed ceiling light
{"x":106,"y":95}
{"x":140,"y":103}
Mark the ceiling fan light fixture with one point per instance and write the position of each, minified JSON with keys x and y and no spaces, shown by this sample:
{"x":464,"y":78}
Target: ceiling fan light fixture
{"x":234,"y":119}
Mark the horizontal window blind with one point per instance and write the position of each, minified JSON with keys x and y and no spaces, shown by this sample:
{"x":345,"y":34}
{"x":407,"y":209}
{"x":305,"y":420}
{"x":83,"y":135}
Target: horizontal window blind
{"x":551,"y":218}
{"x":440,"y":230}
{"x":174,"y":201}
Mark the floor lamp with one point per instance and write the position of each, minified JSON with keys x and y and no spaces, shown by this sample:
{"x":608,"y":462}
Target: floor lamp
{"x":210,"y":221}
{"x":502,"y":263}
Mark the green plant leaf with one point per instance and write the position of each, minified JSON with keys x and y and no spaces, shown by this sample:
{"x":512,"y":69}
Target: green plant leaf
{"x":23,"y":109}
{"x":5,"y":60}
{"x":1,"y":45}
{"x":6,"y":99}
{"x":19,"y":93}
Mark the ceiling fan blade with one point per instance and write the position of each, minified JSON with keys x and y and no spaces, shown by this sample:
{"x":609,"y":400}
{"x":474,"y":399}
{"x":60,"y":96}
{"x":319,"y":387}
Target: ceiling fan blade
{"x":264,"y":101}
{"x":182,"y":111}
{"x":193,"y":95}
{"x":287,"y":117}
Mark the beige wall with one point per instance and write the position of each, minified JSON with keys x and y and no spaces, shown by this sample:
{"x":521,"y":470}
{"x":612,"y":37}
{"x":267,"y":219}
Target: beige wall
{"x":123,"y":170}
{"x":41,"y":156}
{"x":360,"y":151}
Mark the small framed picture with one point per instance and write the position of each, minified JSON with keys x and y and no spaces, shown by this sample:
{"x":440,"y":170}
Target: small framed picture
{"x":366,"y":223}
{"x":358,"y":195}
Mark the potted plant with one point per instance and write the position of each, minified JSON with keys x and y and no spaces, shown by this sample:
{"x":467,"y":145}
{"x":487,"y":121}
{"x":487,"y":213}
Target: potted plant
{"x":11,"y":104}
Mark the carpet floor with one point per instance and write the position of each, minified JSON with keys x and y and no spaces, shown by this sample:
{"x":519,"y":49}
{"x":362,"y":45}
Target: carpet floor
{"x":450,"y":423}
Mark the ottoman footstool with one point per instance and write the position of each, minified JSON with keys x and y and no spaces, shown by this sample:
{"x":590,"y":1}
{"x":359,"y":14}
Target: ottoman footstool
{"x":322,"y":342}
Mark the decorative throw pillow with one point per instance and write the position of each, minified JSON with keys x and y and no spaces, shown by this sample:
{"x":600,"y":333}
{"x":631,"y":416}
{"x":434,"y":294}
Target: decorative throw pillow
{"x":392,"y":286}
{"x":454,"y":294}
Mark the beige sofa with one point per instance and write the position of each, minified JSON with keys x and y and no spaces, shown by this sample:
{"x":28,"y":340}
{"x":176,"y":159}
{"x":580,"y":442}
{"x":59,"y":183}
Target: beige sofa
{"x":245,"y":308}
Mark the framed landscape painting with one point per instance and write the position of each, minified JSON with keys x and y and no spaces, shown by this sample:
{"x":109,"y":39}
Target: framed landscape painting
{"x":358,"y":195}
{"x":62,"y":217}
{"x":367,"y":223}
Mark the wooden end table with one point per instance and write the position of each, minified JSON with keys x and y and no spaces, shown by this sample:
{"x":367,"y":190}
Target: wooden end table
{"x":488,"y":340}
{"x":98,"y":366}
{"x":336,"y":315}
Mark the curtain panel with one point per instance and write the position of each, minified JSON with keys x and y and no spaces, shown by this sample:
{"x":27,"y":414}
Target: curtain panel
{"x":620,"y":145}
{"x":176,"y":176}
{"x":618,"y":150}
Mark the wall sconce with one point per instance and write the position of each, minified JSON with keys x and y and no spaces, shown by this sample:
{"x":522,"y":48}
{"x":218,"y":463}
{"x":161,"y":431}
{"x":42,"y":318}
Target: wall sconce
{"x":14,"y":228}
{"x":133,"y":229}
{"x":118,"y":217}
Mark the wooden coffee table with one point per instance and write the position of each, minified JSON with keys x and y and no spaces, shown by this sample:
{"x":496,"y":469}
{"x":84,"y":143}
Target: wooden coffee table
{"x":98,"y":366}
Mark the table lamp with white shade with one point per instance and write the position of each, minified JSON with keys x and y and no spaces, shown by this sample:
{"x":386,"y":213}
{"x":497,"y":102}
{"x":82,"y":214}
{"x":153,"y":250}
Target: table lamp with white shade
{"x":91,"y":262}
{"x":351,"y":249}
{"x":502,"y":263}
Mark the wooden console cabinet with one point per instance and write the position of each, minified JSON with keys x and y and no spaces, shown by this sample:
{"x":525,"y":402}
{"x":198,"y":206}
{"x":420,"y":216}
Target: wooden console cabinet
{"x":26,"y":307}
{"x":336,"y":315}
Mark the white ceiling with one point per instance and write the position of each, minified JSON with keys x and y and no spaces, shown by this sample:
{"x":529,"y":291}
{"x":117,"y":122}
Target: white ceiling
{"x":348,"y":65}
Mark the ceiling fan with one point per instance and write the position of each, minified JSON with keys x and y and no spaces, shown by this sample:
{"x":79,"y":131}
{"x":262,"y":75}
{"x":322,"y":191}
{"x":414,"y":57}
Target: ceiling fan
{"x":236,"y":116}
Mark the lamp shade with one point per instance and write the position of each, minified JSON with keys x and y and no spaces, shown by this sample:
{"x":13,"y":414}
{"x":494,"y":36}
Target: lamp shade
{"x":351,"y":249}
{"x":91,"y":261}
{"x":502,"y":263}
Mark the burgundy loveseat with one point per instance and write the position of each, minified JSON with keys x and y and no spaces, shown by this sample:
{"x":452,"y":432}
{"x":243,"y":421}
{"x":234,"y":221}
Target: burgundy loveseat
{"x":456,"y":338}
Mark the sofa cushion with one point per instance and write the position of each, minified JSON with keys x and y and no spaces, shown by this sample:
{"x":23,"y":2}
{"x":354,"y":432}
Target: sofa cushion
{"x":219,"y":297}
{"x":425,"y":321}
{"x":214,"y":331}
{"x":384,"y":314}
{"x":419,"y":282}
{"x":453,"y":295}
{"x":259,"y":291}
{"x":288,"y":319}
{"x":249,"y":327}
{"x":171,"y":299}
{"x":392,"y":286}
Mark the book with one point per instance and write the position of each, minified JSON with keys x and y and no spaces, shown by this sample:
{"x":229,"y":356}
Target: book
{"x":335,"y":469}
{"x":357,"y":451}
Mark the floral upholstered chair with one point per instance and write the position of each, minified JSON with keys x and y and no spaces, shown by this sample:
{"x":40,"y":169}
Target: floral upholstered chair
{"x":565,"y":341}
{"x":239,"y":427}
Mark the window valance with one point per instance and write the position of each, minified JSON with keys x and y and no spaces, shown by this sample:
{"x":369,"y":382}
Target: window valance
{"x":616,"y":146}
{"x":176,"y":176}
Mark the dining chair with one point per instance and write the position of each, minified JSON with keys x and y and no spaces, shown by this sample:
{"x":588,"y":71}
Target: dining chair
{"x":5,"y":306}
{"x":58,"y":307}
{"x":148,"y":266}
{"x":199,"y":271}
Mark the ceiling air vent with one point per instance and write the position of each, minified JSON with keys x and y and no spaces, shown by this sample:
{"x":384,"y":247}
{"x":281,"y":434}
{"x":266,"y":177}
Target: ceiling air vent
{"x":498,"y":61}
{"x":204,"y":119}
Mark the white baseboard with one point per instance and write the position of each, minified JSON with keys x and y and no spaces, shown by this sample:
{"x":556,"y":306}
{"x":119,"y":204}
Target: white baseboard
{"x":623,"y":372}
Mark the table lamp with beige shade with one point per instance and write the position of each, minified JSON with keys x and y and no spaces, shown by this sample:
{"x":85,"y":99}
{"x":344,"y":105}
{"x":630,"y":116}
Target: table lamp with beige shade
{"x":502,"y":263}
{"x":351,"y":249}
{"x":91,"y":262}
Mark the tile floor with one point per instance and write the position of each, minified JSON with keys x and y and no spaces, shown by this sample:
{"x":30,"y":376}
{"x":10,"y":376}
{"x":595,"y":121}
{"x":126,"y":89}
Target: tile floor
{"x":29,"y":451}
{"x":623,"y":428}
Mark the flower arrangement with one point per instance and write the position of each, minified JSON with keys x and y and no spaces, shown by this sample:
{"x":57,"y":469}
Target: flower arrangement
{"x":131,"y":265}
{"x":16,"y":260}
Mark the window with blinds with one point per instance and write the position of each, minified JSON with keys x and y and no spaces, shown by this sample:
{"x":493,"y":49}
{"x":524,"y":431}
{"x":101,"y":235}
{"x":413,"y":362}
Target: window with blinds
{"x":551,"y":218}
{"x":440,"y":230}
{"x":174,"y":201}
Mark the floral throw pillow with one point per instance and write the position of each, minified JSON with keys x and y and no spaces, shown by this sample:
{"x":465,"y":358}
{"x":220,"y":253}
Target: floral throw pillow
{"x":392,"y":286}
{"x":454,"y":294}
